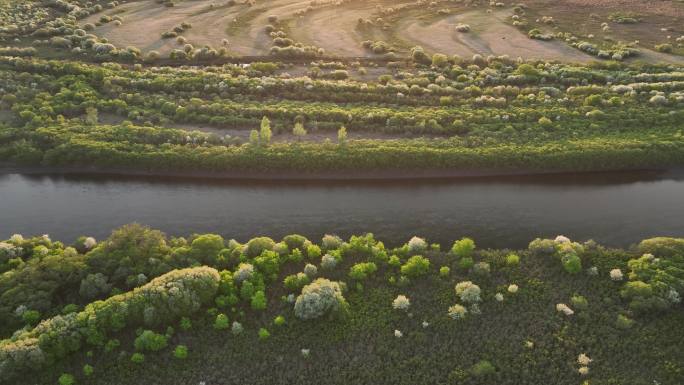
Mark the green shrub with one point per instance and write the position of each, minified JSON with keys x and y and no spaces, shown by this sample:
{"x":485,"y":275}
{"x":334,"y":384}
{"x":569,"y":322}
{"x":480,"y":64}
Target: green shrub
{"x":279,"y":320}
{"x":264,"y":334}
{"x":180,"y":352}
{"x":256,"y":246}
{"x":66,"y":379}
{"x":579,"y":302}
{"x":623,"y":322}
{"x":258,"y":301}
{"x":466,"y":263}
{"x":296,"y":241}
{"x":463,"y":248}
{"x":295,"y":282}
{"x":221,"y":322}
{"x":483,"y":368}
{"x":415,"y":266}
{"x":31,"y":317}
{"x":185,"y":323}
{"x":150,"y":341}
{"x":88,"y":370}
{"x":138,"y":358}
{"x":572,"y":263}
{"x":444,"y":271}
{"x":512,"y":260}
{"x":362,"y":271}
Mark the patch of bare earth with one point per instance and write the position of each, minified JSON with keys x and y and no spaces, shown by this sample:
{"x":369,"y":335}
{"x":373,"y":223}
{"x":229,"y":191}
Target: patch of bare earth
{"x":489,"y":35}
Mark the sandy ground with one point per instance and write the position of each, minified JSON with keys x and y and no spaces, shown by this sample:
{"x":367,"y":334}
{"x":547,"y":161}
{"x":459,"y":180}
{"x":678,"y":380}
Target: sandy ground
{"x":334,"y":28}
{"x":489,"y":35}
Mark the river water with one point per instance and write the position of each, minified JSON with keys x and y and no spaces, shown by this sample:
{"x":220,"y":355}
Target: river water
{"x":615,"y":209}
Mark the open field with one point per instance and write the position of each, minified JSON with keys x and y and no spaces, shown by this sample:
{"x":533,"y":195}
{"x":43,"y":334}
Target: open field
{"x":335,"y":27}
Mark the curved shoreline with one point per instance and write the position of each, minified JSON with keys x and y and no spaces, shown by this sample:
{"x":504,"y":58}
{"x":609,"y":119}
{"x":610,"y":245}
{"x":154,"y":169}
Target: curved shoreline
{"x":334,"y":175}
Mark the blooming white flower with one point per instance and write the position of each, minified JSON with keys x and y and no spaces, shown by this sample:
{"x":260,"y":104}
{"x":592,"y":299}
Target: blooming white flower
{"x":236,"y":328}
{"x":616,"y":275}
{"x":310,"y":270}
{"x":584,"y":370}
{"x":499,"y":297}
{"x":565,"y":309}
{"x":592,"y":271}
{"x":398,"y":334}
{"x":529,"y":344}
{"x":328,"y":262}
{"x":562,"y":239}
{"x":673,"y":296}
{"x":244,"y":272}
{"x":417,"y":245}
{"x":468,"y":291}
{"x":17,"y":238}
{"x":306,"y":352}
{"x":291,"y":298}
{"x":583,"y":359}
{"x":401,"y":303}
{"x":46,"y":237}
{"x":457,"y":312}
{"x":20,"y":310}
{"x":425,"y":324}
{"x":89,"y":243}
{"x":512,"y":288}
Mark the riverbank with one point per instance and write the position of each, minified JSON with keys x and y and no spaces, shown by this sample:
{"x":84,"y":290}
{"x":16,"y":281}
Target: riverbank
{"x":333,"y":175}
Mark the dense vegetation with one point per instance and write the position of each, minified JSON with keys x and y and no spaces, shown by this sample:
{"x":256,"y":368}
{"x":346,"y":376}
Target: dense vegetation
{"x":482,"y":113}
{"x":141,"y":307}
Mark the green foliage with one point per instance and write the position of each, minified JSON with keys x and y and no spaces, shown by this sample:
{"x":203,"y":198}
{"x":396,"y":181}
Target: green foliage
{"x":572,"y":263}
{"x":256,"y":246}
{"x":258,"y":301}
{"x":444,"y":271}
{"x":264,"y":334}
{"x":512,"y":260}
{"x":362,"y":271}
{"x":150,"y":341}
{"x":295,"y":282}
{"x":137,"y":358}
{"x":88,"y":370}
{"x":180,"y":352}
{"x":66,"y":379}
{"x":279,"y":320}
{"x":221,"y":322}
{"x":483,"y":368}
{"x":416,"y":266}
{"x":463,"y":248}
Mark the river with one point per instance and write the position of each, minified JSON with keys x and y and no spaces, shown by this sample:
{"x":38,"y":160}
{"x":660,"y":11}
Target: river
{"x":615,"y":209}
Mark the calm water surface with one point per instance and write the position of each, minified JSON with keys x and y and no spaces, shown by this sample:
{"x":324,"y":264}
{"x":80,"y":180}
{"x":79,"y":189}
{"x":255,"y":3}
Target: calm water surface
{"x":615,"y":209}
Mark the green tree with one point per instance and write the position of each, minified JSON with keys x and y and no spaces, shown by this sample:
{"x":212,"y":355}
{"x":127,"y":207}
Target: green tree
{"x":265,"y":132}
{"x":299,"y":131}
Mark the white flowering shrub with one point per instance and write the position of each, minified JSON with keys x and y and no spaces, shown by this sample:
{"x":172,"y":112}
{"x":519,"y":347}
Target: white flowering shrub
{"x":328,"y":262}
{"x":398,"y":333}
{"x":616,"y":275}
{"x":331,"y":242}
{"x":468,"y":292}
{"x":401,"y":303}
{"x":512,"y":288}
{"x":318,"y":298}
{"x":310,"y":270}
{"x":243,"y":272}
{"x":565,"y":309}
{"x":583,"y":359}
{"x":457,"y":312}
{"x":89,"y":243}
{"x":417,"y":245}
{"x":236,"y":328}
{"x":499,"y":297}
